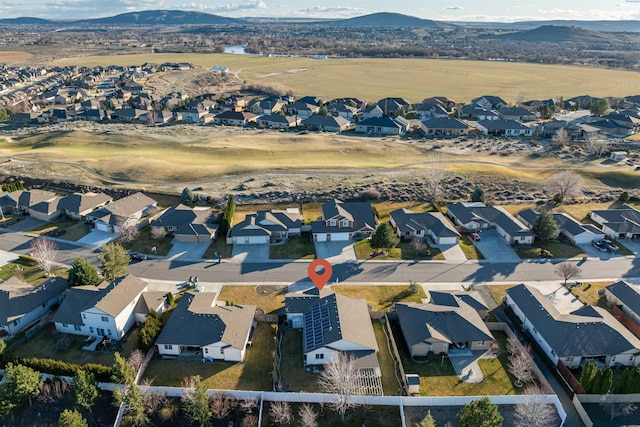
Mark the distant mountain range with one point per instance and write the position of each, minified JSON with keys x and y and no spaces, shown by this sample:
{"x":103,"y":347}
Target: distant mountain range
{"x":383,"y":19}
{"x":557,"y":34}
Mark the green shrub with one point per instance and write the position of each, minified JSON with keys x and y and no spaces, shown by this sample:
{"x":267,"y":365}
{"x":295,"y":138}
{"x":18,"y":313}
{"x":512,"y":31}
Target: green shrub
{"x":59,"y":368}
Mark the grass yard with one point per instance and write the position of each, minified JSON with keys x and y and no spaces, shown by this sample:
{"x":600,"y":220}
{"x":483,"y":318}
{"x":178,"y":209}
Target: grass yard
{"x":44,"y":345}
{"x":469,"y":249}
{"x":438,"y":378}
{"x":71,"y":230}
{"x":334,"y":78}
{"x":403,"y":251}
{"x":28,"y":272}
{"x":381,"y":297}
{"x":310,"y":210}
{"x":294,"y":377}
{"x":588,"y":292}
{"x":390,"y":383}
{"x":220,"y":246}
{"x":297,"y":247}
{"x":385,"y":208}
{"x":145,"y":242}
{"x":558,"y":249}
{"x":498,"y":291}
{"x":268,"y":298}
{"x":254,"y":374}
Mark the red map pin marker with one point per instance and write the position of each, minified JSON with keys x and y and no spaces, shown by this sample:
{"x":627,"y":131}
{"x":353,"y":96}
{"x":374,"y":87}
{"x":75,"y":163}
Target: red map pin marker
{"x":320,"y":279}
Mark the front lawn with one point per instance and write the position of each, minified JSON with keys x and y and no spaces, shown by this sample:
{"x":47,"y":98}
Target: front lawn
{"x":438,"y":378}
{"x":403,"y":251}
{"x":254,"y":374}
{"x":381,"y":297}
{"x":557,"y":249}
{"x":67,"y":230}
{"x":220,"y":247}
{"x":297,"y":247}
{"x":294,"y":377}
{"x":144,"y":242}
{"x":28,"y":272}
{"x":497,"y":292}
{"x":470,"y":250}
{"x":588,"y":292}
{"x":44,"y":345}
{"x":268,"y":298}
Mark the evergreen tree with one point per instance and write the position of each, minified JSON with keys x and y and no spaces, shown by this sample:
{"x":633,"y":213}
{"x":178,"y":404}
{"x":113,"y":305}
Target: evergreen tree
{"x":587,"y":376}
{"x":196,"y":404}
{"x":114,"y":261}
{"x":477,"y":195}
{"x":384,"y":238}
{"x":85,"y":389}
{"x":427,"y":421}
{"x":480,"y":413}
{"x":227,"y":216}
{"x":545,"y":227}
{"x":187,"y":195}
{"x":607,"y":382}
{"x":624,"y":197}
{"x":622,"y":384}
{"x":71,"y":418}
{"x":82,"y":273}
{"x":597,"y":382}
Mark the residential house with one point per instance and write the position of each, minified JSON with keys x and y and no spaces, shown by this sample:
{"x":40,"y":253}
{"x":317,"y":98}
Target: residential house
{"x":187,"y":225}
{"x":373,"y":111}
{"x":234,"y":118}
{"x":351,"y":102}
{"x":551,"y":128}
{"x":22,"y":304}
{"x":127,"y":114}
{"x":342,"y":110}
{"x":442,"y":101}
{"x":161,"y":117}
{"x":446,"y":126}
{"x":626,"y":297}
{"x":196,"y":115}
{"x":301,"y":109}
{"x":77,"y":205}
{"x":616,"y":124}
{"x":41,"y":204}
{"x":25,"y":118}
{"x":427,"y":109}
{"x":198,"y":325}
{"x":489,"y":102}
{"x":576,"y":233}
{"x":266,"y":227}
{"x":122,"y":212}
{"x":584,"y":102}
{"x":476,"y":216}
{"x":93,"y":115}
{"x":270,"y":105}
{"x":588,"y":333}
{"x":344,"y":221}
{"x":503,"y":128}
{"x":277,"y":121}
{"x":46,"y":210}
{"x":516,"y":113}
{"x":443,"y":325}
{"x":394,"y":106}
{"x":313,"y":100}
{"x":333,"y":324}
{"x":619,"y":223}
{"x":322,"y":123}
{"x":435,"y":225}
{"x":381,"y":126}
{"x":108,"y":309}
{"x":474,"y":112}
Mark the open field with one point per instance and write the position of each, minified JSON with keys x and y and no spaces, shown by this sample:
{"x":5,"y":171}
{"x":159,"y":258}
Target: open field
{"x":8,"y":56}
{"x":414,"y":79}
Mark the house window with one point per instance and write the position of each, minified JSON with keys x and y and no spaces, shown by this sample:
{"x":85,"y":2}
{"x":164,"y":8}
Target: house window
{"x":104,"y":318}
{"x":64,"y":325}
{"x":91,"y":329}
{"x":84,"y":316}
{"x":333,"y":223}
{"x":77,"y":327}
{"x":206,"y":350}
{"x":44,"y":305}
{"x":168,"y":347}
{"x":630,"y":358}
{"x":16,"y":322}
{"x":480,"y":342}
{"x":345,"y":223}
{"x":408,"y":233}
{"x":319,"y":356}
{"x":109,"y":331}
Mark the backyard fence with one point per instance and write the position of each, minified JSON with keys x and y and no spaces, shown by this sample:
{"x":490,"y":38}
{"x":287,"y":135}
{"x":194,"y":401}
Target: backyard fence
{"x":626,"y":320}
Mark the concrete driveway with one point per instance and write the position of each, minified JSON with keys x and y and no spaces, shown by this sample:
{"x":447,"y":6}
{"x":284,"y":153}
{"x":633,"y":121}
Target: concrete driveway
{"x":96,"y":238}
{"x":452,"y":253}
{"x":188,"y":251}
{"x":594,"y":252}
{"x":495,"y":248}
{"x":632,"y":245}
{"x":250,"y":253}
{"x":336,"y":252}
{"x":26,"y":224}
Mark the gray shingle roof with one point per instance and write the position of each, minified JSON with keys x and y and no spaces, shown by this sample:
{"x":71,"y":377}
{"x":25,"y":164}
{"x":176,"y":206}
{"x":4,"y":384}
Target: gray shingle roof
{"x":81,"y":202}
{"x":445,"y":123}
{"x":502,"y":125}
{"x":623,"y":219}
{"x":266,"y":222}
{"x":627,"y":294}
{"x":439,"y":225}
{"x":361,"y":213}
{"x":573,"y":334}
{"x":468,"y":212}
{"x":197,"y":321}
{"x":179,"y":215}
{"x":18,"y":298}
{"x":126,"y":206}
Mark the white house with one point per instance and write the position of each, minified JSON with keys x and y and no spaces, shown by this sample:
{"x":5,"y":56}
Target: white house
{"x":587,"y":333}
{"x":574,"y":231}
{"x":619,"y":223}
{"x":503,"y":128}
{"x":129,"y":209}
{"x":344,"y":221}
{"x":21,"y":304}
{"x":78,"y":205}
{"x":626,"y":296}
{"x":266,"y":226}
{"x":108,"y":309}
{"x":198,"y":324}
{"x":435,"y":225}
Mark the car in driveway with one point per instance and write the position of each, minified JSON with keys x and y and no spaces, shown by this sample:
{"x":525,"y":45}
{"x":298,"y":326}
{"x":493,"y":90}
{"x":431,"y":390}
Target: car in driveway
{"x":610,"y":246}
{"x":475,"y":237}
{"x":600,"y":245}
{"x":137,"y":256}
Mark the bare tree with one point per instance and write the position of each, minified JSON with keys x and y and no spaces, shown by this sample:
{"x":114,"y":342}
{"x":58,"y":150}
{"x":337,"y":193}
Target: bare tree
{"x":128,"y":229}
{"x":617,"y":409}
{"x":136,"y":359}
{"x":248,"y":404}
{"x":567,"y":271}
{"x":566,"y":184}
{"x":280,"y":412}
{"x":534,"y":411}
{"x":249,"y":421}
{"x":434,"y":175}
{"x":513,"y":345}
{"x":221,"y":405}
{"x":419,"y":244}
{"x":44,"y":253}
{"x":308,"y":417}
{"x":560,"y":138}
{"x":158,"y":232}
{"x":520,"y":366}
{"x":339,"y":378}
{"x":153,"y":401}
{"x":597,"y":147}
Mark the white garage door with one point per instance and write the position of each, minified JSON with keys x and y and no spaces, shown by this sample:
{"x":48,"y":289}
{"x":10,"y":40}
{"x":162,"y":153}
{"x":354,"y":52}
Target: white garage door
{"x":252,"y":240}
{"x":335,"y":237}
{"x":448,"y":241}
{"x":101,"y":226}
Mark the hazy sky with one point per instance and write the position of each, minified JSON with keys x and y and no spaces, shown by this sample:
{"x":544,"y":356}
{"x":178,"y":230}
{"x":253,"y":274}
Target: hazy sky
{"x":458,"y":10}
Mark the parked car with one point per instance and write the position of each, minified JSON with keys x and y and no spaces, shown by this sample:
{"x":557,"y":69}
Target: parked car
{"x":610,"y":246}
{"x":475,"y":237}
{"x":600,"y":245}
{"x":137,"y":256}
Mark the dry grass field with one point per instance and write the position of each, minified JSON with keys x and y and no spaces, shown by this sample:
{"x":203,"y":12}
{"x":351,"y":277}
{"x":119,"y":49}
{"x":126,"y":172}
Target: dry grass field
{"x":8,"y":56}
{"x":414,"y":79}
